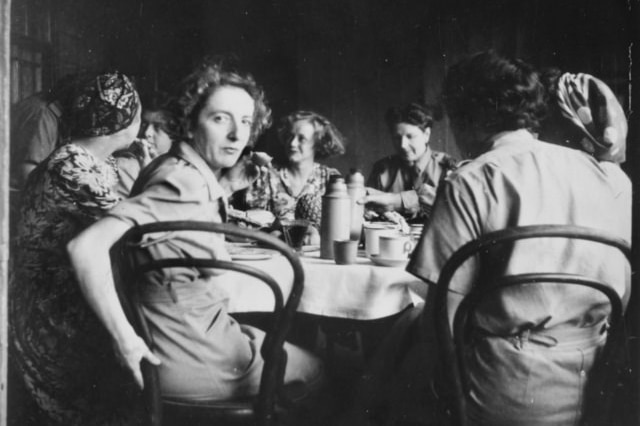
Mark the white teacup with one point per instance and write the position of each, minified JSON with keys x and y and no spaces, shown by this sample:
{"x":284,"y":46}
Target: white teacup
{"x":372,"y":233}
{"x":395,"y":247}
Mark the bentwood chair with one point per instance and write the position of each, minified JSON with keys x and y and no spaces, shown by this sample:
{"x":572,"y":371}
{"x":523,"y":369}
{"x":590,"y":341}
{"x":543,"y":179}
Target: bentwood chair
{"x":273,"y":397}
{"x":455,"y":386}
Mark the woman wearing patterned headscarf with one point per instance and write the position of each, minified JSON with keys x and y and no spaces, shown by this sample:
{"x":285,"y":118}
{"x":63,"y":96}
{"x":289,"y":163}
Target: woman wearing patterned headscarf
{"x":584,"y":114}
{"x":64,"y":353}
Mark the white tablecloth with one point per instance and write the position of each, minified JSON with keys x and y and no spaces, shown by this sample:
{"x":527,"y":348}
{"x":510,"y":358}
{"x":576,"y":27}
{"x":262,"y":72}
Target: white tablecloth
{"x":359,"y":291}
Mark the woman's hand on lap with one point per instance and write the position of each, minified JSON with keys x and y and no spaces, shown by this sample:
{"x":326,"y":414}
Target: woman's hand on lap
{"x":131,"y":353}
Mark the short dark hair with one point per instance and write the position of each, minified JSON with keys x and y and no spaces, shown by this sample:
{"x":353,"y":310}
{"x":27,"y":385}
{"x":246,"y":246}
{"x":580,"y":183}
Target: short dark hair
{"x":327,"y":142}
{"x":507,"y":92}
{"x":159,"y":110}
{"x":211,"y":74}
{"x":415,"y":113}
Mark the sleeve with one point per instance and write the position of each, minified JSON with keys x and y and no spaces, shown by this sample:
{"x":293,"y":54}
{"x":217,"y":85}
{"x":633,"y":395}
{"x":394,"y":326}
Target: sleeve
{"x":39,"y":135}
{"x":455,"y":221}
{"x":171,"y":192}
{"x":80,"y":180}
{"x":175,"y":191}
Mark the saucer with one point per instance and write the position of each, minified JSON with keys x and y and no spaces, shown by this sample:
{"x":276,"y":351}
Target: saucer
{"x":381,"y":261}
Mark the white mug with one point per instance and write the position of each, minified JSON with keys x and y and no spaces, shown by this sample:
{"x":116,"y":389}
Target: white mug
{"x":397,"y":246}
{"x":372,"y":233}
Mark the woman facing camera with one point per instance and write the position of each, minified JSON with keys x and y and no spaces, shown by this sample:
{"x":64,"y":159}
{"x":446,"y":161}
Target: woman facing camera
{"x":222,"y":110}
{"x":63,"y":351}
{"x":301,"y":181}
{"x":407,"y":181}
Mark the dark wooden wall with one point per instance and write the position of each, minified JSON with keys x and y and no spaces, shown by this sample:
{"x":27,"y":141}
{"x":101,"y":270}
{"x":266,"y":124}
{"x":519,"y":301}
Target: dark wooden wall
{"x":347,"y":59}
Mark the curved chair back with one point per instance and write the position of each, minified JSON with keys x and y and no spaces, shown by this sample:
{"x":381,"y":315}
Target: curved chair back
{"x":129,"y":276}
{"x":451,"y":344}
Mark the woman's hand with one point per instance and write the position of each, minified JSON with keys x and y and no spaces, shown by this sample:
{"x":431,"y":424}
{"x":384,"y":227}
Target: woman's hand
{"x":143,"y":151}
{"x":381,"y":201}
{"x":89,"y":255}
{"x":131,"y":352}
{"x":312,"y":237}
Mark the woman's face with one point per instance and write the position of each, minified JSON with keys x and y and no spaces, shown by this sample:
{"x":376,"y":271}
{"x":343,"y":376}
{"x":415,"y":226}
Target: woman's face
{"x":158,"y":138}
{"x":223,"y":127}
{"x":300,"y":146}
{"x":410,"y":141}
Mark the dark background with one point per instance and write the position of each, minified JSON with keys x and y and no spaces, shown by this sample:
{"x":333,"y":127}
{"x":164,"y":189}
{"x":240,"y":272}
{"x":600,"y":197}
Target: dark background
{"x":347,"y":59}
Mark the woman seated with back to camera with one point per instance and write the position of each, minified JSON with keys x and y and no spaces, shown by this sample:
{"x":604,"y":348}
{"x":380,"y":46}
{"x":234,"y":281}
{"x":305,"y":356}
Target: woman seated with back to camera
{"x":530,"y":351}
{"x":406,"y":182}
{"x":222,"y":110}
{"x":63,"y":351}
{"x":294,"y":190}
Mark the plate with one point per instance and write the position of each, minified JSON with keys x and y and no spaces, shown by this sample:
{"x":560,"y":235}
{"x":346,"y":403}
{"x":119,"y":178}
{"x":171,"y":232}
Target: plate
{"x":381,"y":261}
{"x":251,"y":253}
{"x":310,"y":248}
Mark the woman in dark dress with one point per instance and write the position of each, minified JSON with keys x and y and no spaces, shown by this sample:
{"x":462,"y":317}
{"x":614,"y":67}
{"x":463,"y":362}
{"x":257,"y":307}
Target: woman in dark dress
{"x":64,"y":353}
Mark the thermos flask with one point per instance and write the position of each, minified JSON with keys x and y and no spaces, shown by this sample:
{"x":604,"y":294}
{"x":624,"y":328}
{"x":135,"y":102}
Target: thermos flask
{"x":336,"y":216}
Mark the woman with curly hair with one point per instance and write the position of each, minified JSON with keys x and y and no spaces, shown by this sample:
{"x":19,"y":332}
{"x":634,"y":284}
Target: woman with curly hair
{"x":63,"y":351}
{"x":222,"y":111}
{"x":301,"y":181}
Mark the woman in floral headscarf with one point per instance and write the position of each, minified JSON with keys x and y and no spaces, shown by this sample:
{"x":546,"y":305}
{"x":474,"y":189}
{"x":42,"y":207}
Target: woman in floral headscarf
{"x":64,"y":353}
{"x":584,"y":114}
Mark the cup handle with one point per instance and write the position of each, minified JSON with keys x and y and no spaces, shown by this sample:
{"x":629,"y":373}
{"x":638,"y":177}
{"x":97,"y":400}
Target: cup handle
{"x":408,"y":247}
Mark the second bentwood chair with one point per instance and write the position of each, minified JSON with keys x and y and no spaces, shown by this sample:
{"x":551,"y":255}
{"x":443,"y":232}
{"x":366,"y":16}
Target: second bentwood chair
{"x":273,"y":395}
{"x":456,"y":386}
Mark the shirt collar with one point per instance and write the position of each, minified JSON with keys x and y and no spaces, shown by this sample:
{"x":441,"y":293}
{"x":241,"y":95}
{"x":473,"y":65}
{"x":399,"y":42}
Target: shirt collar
{"x":509,"y":137}
{"x":188,"y":154}
{"x":423,"y":161}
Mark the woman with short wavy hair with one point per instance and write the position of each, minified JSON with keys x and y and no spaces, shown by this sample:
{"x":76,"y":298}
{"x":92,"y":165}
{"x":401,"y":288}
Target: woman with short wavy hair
{"x":223,"y":110}
{"x":301,"y":181}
